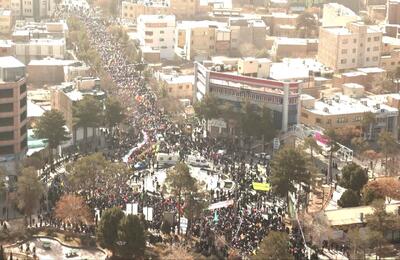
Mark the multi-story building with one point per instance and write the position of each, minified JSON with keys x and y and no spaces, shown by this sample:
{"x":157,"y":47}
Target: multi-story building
{"x":178,"y":86}
{"x":282,"y":24}
{"x":281,"y":97}
{"x":13,"y":113}
{"x":284,"y":47}
{"x":348,"y":109}
{"x":157,"y":32}
{"x":335,"y":14}
{"x":253,"y":67}
{"x":201,"y":39}
{"x":5,"y":21}
{"x":36,"y":49}
{"x":182,"y":9}
{"x":393,"y":12}
{"x":356,"y":45}
{"x":390,"y":56}
{"x":243,"y":30}
{"x":65,"y":95}
{"x":35,"y":9}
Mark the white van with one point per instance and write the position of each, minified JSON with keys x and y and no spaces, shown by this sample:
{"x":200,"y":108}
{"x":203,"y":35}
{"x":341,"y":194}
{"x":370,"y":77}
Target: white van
{"x":197,"y":161}
{"x":164,"y":159}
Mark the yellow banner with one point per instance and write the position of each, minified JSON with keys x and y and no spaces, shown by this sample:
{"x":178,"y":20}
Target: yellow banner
{"x":261,"y":186}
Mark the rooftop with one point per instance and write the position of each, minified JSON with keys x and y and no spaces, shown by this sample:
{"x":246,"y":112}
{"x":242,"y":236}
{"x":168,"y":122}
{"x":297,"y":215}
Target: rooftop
{"x":4,"y":12}
{"x":340,"y":9}
{"x":51,"y":62}
{"x":290,"y":69}
{"x":154,"y":18}
{"x":178,"y":79}
{"x":343,"y":104}
{"x":201,"y":24}
{"x":10,"y":62}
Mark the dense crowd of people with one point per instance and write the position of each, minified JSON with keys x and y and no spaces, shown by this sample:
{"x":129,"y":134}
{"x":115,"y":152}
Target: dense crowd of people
{"x":243,"y":224}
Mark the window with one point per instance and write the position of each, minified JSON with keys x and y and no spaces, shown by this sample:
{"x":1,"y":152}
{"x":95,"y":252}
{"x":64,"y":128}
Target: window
{"x":6,"y":136}
{"x":148,"y":33}
{"x":344,"y":51}
{"x":376,"y":38}
{"x":22,"y":88}
{"x":375,"y":58}
{"x":329,"y":121}
{"x":369,"y":39}
{"x":368,"y":49}
{"x":6,"y":121}
{"x":8,"y":149}
{"x":161,"y":32}
{"x":354,"y":40}
{"x":343,"y":61}
{"x":354,"y":50}
{"x":161,"y":39}
{"x":22,"y":130}
{"x":22,"y":102}
{"x":345,"y":41}
{"x":361,"y":45}
{"x":23,"y":116}
{"x":367,"y":59}
{"x":6,"y":93}
{"x":353,"y":60}
{"x":7,"y":107}
{"x":24,"y":143}
{"x":259,"y":65}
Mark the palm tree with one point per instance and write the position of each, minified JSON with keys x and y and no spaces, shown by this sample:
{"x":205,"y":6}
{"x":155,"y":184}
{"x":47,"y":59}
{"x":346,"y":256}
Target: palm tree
{"x":307,"y":24}
{"x":87,"y":113}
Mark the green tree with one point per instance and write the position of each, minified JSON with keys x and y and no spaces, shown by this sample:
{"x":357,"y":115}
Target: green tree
{"x":333,"y":144}
{"x":51,"y":126}
{"x":131,"y":233}
{"x":275,"y":246}
{"x":289,"y":166}
{"x":307,"y":24}
{"x":311,"y":144}
{"x":382,"y":222}
{"x":29,"y":192}
{"x":113,"y":113}
{"x":389,"y":147}
{"x":207,"y":108}
{"x":362,"y":242}
{"x":87,"y":113}
{"x":180,"y":182}
{"x":368,"y":122}
{"x":107,"y":229}
{"x":353,"y":177}
{"x":371,"y":193}
{"x":349,"y":198}
{"x":85,"y":172}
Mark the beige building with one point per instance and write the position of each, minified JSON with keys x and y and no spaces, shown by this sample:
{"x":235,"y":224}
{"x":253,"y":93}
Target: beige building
{"x":178,"y":86}
{"x":294,"y":48}
{"x":335,"y":14}
{"x":343,"y":110}
{"x":199,"y":40}
{"x":253,"y":67}
{"x":354,"y":46}
{"x":282,"y":24}
{"x":247,"y":31}
{"x":180,"y":8}
{"x":6,"y":21}
{"x":5,"y":4}
{"x":13,"y":112}
{"x":390,"y":59}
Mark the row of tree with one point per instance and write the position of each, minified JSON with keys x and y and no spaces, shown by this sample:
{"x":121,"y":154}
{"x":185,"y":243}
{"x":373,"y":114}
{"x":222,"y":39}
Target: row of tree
{"x":249,"y":119}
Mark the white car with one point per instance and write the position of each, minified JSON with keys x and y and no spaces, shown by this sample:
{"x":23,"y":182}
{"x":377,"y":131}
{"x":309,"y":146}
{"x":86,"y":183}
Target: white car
{"x":263,"y":156}
{"x":197,"y":161}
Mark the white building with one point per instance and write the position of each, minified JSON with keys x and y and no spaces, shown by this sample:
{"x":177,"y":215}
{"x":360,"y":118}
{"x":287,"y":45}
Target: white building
{"x":335,"y":14}
{"x":157,"y":32}
{"x":37,"y":49}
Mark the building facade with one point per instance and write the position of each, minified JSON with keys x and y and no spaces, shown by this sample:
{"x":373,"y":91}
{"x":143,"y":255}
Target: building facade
{"x":393,"y":12}
{"x":35,"y":9}
{"x":157,"y":32}
{"x":199,"y":40}
{"x":281,"y":97}
{"x":13,"y":112}
{"x":357,"y":45}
